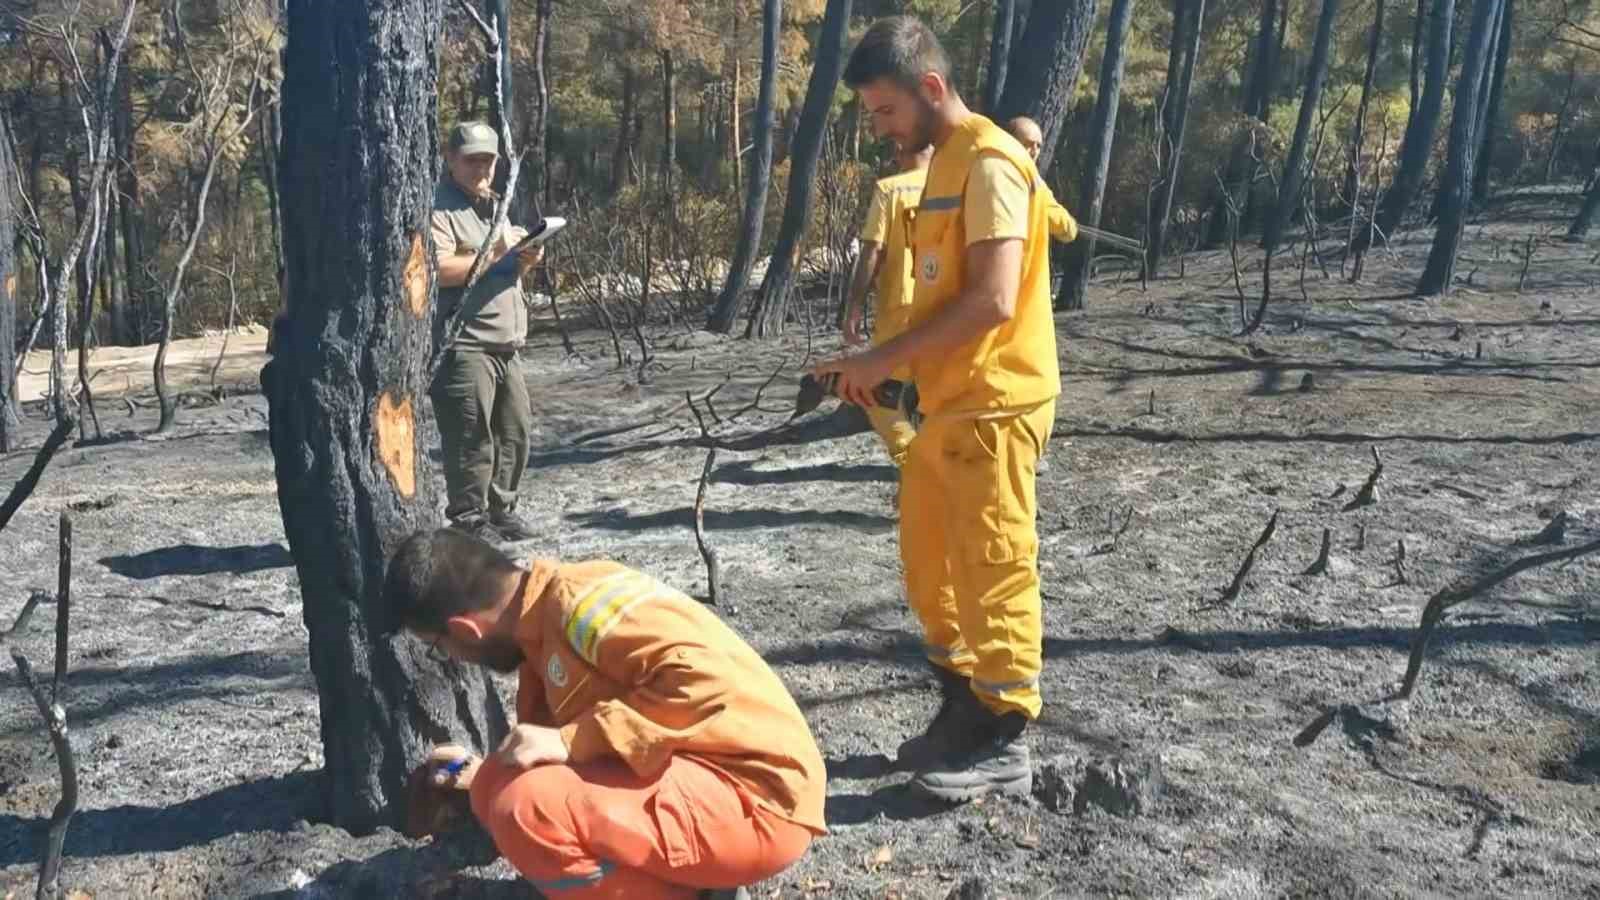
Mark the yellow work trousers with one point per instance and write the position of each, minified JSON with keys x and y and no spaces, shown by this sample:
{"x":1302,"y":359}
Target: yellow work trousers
{"x":971,"y":550}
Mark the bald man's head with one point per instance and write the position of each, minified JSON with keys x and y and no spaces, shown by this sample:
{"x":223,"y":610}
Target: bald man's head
{"x":1027,"y":133}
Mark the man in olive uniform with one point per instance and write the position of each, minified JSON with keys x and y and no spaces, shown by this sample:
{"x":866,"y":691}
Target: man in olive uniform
{"x":480,"y":396}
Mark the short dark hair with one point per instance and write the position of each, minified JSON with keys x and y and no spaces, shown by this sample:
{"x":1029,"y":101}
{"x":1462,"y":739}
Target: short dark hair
{"x":901,"y":49}
{"x":438,"y":574}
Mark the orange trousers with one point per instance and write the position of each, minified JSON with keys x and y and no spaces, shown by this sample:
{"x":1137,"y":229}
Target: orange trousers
{"x":600,"y":830}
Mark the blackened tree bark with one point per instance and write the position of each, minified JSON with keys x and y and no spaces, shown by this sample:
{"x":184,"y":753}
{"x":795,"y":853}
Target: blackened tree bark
{"x":1586,"y":214}
{"x":1419,"y":26}
{"x":345,"y":388}
{"x":1352,"y":172}
{"x":1456,"y":190}
{"x":1044,"y":69}
{"x":1420,"y":129}
{"x":669,"y":119}
{"x":806,"y":148}
{"x":10,"y":213}
{"x":126,"y":292}
{"x":1102,"y":134}
{"x":994,"y":83}
{"x":1294,"y":166}
{"x":726,"y":309}
{"x":1241,"y":167}
{"x":498,"y":14}
{"x":539,"y":184}
{"x":1490,"y":120}
{"x":1188,"y":17}
{"x":621,"y":171}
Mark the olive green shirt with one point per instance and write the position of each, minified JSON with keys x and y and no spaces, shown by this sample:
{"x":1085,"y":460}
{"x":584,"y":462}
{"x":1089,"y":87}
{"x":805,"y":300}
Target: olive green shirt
{"x":495,"y":318}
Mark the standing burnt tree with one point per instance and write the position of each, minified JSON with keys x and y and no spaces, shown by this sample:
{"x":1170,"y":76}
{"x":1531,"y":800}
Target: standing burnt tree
{"x":1238,"y":181}
{"x":1417,"y":145}
{"x":1005,"y":14}
{"x":1294,"y":166}
{"x":9,"y":212}
{"x":1455,"y":191}
{"x":1102,"y":133}
{"x":1187,"y":17}
{"x":755,"y":198}
{"x":1488,"y":121}
{"x":1044,"y":69}
{"x":346,"y":385}
{"x":773,"y":304}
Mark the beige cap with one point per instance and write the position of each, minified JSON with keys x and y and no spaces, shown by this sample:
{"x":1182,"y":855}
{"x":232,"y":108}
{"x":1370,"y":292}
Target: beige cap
{"x":468,"y":138}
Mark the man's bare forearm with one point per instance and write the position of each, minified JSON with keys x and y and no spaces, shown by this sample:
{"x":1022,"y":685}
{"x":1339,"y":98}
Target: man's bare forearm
{"x":867,"y":264}
{"x":453,"y":269}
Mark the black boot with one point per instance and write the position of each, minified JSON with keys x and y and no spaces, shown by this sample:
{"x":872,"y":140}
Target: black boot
{"x":993,"y":760}
{"x":956,"y":701}
{"x":510,"y":526}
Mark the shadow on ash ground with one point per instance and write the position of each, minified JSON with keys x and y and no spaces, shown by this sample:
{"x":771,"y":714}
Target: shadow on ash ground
{"x":197,"y":727}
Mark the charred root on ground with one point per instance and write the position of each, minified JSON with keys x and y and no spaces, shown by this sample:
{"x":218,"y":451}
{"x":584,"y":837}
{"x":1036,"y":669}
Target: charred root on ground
{"x":1232,"y":591}
{"x":1368,"y":494}
{"x":1320,"y":567}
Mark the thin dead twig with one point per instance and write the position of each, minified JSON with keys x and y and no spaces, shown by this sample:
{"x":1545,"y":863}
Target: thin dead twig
{"x":1116,"y":533}
{"x":1400,"y":562}
{"x":707,"y":552}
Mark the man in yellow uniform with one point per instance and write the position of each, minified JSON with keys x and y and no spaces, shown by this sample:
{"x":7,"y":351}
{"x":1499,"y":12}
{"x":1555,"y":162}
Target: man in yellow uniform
{"x":886,"y":258}
{"x":982,"y":350}
{"x":1063,"y":227}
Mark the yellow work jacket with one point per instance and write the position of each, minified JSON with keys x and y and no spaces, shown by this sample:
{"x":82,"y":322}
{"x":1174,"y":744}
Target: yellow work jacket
{"x":1014,"y":364}
{"x":630,"y":669}
{"x":894,"y":206}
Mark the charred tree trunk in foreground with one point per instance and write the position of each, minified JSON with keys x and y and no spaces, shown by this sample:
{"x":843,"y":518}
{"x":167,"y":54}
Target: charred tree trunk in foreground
{"x":346,"y":388}
{"x":773,"y":304}
{"x":1491,"y":112}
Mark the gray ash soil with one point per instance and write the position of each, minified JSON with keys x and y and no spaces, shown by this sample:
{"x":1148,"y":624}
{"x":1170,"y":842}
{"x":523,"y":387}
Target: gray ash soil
{"x":196,"y":720}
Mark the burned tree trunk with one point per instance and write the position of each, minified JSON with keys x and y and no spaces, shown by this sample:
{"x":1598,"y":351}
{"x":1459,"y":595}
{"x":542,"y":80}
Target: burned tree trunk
{"x":1188,"y":16}
{"x":1241,"y":169}
{"x":1102,"y":133}
{"x":1005,"y":13}
{"x":1420,"y":128}
{"x":539,"y":184}
{"x":1586,"y":213}
{"x":1044,"y":68}
{"x":1456,"y":189}
{"x":10,"y":213}
{"x":346,"y":386}
{"x":1294,"y":166}
{"x":1489,"y":121}
{"x":123,"y":210}
{"x":773,"y":304}
{"x":1352,"y":173}
{"x":669,"y":119}
{"x":755,"y":198}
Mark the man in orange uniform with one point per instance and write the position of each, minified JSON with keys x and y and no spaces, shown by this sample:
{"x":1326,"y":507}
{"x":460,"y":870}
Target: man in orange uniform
{"x":982,"y":350}
{"x":885,"y":258}
{"x":656,"y":755}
